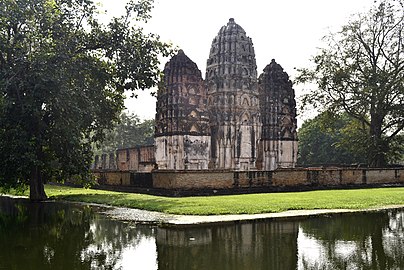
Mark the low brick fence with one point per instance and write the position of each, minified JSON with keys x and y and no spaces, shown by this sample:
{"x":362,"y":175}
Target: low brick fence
{"x":270,"y":180}
{"x":124,"y":178}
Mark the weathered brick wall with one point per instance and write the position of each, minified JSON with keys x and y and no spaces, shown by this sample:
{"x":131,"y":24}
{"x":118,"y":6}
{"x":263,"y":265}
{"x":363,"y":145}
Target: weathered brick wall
{"x":132,"y":159}
{"x":140,"y":158}
{"x":252,"y":179}
{"x":226,"y":179}
{"x":352,"y":176}
{"x":376,"y":176}
{"x":146,"y":154}
{"x":288,"y":177}
{"x":115,"y":178}
{"x":193,"y":179}
{"x":122,"y":160}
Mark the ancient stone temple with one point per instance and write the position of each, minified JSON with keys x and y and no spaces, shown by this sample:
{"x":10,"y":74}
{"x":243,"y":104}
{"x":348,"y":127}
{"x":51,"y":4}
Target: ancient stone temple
{"x":182,"y":130}
{"x":231,"y":76}
{"x":232,"y":119}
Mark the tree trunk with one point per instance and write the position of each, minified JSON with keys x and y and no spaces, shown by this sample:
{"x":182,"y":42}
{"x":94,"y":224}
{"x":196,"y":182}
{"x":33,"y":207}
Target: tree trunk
{"x":378,"y":148}
{"x":36,"y":186}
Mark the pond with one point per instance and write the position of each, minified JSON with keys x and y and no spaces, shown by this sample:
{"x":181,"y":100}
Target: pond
{"x":66,"y":236}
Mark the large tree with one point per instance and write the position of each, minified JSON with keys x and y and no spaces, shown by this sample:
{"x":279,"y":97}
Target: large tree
{"x":63,"y":75}
{"x":360,"y":71}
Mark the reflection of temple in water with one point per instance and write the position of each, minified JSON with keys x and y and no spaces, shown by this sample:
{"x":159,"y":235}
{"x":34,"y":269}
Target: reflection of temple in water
{"x":271,"y":245}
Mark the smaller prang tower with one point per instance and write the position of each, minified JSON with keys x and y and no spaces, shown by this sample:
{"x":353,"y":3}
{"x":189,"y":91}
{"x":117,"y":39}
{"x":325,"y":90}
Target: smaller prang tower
{"x":182,"y":132}
{"x":278,"y":116}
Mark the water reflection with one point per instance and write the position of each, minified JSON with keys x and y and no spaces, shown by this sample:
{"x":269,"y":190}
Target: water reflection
{"x":360,"y":241}
{"x":60,"y":236}
{"x":246,"y":246}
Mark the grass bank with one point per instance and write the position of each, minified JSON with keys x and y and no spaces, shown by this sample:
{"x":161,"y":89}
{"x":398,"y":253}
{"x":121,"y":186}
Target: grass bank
{"x":236,"y":204}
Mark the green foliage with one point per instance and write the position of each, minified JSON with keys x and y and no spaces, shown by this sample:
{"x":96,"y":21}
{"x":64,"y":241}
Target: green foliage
{"x":331,"y":139}
{"x":396,"y":153}
{"x":361,"y":72}
{"x":129,"y":132}
{"x":63,"y":75}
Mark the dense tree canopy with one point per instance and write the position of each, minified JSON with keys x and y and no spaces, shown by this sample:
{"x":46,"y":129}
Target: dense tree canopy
{"x":361,"y":72}
{"x":330,"y":139}
{"x":63,"y":75}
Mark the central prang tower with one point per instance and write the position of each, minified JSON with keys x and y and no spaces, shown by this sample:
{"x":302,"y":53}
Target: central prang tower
{"x":231,"y":76}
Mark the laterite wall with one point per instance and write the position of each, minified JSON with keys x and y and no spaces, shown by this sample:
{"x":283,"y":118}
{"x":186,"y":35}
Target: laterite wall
{"x":226,"y":179}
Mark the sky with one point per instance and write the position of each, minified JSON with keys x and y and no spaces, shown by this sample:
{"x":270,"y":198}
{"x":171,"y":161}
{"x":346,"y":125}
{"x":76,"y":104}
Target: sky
{"x":289,"y":31}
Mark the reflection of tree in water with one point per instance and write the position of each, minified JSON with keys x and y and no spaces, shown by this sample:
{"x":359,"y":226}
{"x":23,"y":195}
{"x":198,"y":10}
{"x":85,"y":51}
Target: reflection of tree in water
{"x":393,"y":238}
{"x":360,"y":241}
{"x":110,"y":238}
{"x":59,"y":236}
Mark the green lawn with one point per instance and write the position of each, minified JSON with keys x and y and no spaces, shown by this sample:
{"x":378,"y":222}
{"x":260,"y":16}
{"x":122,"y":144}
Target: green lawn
{"x":237,"y":204}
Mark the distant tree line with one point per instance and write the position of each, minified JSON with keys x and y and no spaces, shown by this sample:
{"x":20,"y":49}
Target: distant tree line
{"x":339,"y":139}
{"x":130,"y":131}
